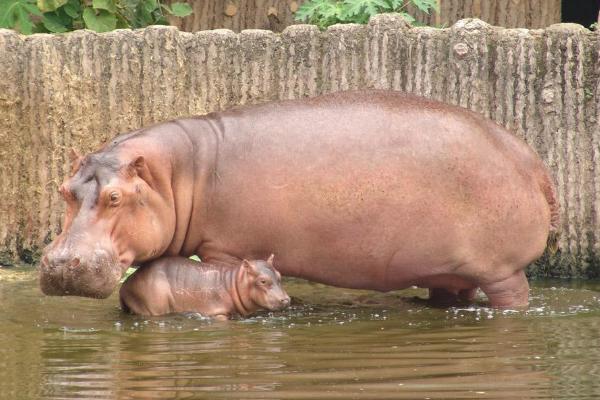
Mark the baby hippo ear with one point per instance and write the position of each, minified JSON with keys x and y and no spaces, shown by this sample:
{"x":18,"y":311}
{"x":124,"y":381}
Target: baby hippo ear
{"x":270,"y":259}
{"x":249,"y":267}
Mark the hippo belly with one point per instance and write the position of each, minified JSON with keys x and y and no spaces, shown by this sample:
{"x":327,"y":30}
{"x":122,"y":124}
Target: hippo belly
{"x":379,"y":192}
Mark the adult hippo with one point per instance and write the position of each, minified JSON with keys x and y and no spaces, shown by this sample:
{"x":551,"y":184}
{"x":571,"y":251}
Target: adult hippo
{"x":370,"y":189}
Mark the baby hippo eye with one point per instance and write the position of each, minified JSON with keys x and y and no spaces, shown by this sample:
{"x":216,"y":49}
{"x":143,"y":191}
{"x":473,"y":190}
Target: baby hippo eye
{"x":264,"y":282}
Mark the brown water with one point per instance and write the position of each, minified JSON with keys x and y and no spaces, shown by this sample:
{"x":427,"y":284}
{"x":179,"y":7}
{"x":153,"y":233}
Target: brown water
{"x":332,"y":344}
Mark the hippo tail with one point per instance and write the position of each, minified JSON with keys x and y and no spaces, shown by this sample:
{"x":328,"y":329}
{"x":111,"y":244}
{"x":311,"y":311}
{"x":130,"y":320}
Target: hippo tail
{"x":549,"y":190}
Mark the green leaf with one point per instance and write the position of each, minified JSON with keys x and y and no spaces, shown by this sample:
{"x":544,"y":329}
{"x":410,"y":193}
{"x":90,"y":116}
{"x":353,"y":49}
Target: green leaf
{"x":128,"y":12}
{"x":6,"y":13}
{"x":144,"y":17}
{"x":181,"y":9}
{"x":409,"y":18}
{"x":54,"y":23}
{"x":307,"y":11}
{"x":15,"y":14}
{"x":150,"y":5}
{"x":24,"y":21}
{"x":361,"y":10}
{"x":127,"y":274}
{"x":396,"y":4}
{"x":353,"y":8}
{"x":108,"y":5}
{"x":32,"y":9}
{"x":101,"y":22}
{"x":426,"y":5}
{"x":72,"y":11}
{"x":329,"y":11}
{"x":50,"y":5}
{"x":160,"y":20}
{"x":122,"y":22}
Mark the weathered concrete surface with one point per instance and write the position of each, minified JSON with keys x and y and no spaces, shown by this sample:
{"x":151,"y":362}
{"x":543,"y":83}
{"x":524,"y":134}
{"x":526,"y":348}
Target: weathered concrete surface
{"x":278,"y":14}
{"x":83,"y":88}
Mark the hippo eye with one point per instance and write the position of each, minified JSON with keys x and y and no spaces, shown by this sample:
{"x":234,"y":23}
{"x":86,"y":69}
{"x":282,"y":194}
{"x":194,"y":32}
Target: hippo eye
{"x":114,"y":198}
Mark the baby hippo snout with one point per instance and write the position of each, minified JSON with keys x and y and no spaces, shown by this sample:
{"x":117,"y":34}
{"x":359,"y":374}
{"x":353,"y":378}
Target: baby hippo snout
{"x":276,"y":298}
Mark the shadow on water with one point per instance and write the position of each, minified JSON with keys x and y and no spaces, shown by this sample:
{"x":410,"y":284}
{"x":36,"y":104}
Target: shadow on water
{"x":331,"y":344}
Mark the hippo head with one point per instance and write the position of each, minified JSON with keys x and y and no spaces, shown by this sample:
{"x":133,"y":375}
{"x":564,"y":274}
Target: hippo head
{"x":114,"y":216}
{"x":263,"y":284}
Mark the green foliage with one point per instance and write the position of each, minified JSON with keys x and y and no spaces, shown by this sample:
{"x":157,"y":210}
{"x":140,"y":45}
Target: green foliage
{"x":58,"y":16}
{"x":328,"y":12}
{"x":17,"y":14}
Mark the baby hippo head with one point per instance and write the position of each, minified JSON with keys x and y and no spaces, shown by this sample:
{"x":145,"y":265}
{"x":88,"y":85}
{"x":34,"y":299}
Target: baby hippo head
{"x":263,"y":282}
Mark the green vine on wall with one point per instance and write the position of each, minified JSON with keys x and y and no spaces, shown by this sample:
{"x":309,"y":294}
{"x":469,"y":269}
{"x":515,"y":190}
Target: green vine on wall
{"x":58,"y":16}
{"x":324,"y":13}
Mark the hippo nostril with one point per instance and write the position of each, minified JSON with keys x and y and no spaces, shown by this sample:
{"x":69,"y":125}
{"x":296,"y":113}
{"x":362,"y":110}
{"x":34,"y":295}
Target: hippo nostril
{"x":285,"y":301}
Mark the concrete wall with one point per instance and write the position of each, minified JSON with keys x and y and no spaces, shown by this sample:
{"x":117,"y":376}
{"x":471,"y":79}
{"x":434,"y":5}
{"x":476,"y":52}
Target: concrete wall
{"x":278,"y":14}
{"x":80,"y":89}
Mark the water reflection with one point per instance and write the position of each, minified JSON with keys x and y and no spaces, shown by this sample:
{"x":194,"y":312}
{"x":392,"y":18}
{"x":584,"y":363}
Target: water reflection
{"x":334,"y":344}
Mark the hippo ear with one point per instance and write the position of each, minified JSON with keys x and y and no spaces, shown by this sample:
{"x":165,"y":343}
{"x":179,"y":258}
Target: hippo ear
{"x":249,"y":267}
{"x":75,"y":159}
{"x":138,"y":167}
{"x":270,"y":259}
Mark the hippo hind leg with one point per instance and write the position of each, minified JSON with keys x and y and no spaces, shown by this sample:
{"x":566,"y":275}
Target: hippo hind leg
{"x":512,"y":292}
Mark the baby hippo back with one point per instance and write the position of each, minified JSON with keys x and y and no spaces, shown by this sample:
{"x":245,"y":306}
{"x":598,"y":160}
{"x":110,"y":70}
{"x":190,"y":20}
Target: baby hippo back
{"x":177,"y":284}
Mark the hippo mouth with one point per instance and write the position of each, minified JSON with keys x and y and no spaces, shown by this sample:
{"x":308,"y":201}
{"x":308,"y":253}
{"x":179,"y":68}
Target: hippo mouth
{"x":96,"y":279}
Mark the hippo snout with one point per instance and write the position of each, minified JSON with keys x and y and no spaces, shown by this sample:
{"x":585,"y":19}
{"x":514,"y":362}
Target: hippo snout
{"x":285,"y":301}
{"x":60,"y":261}
{"x":64,"y":273}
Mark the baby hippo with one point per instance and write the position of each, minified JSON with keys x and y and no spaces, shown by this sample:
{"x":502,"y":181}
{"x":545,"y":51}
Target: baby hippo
{"x":177,"y":284}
